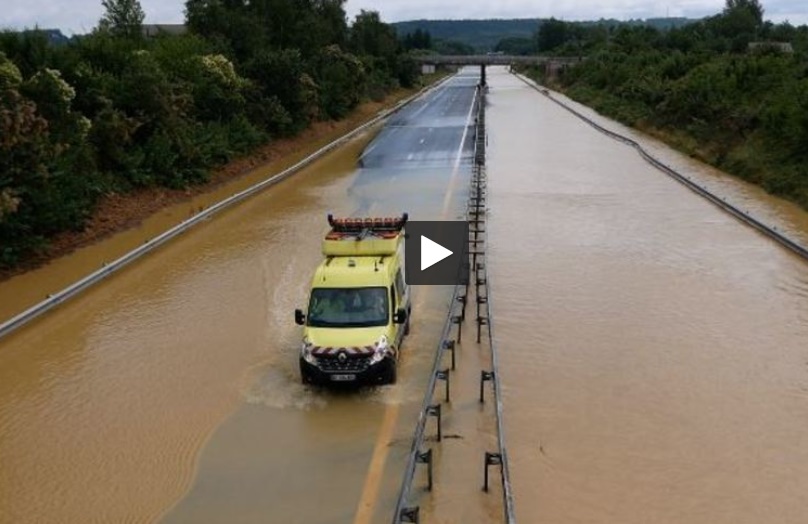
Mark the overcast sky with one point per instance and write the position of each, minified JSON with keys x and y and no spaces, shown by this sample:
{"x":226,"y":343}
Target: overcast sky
{"x":79,"y":16}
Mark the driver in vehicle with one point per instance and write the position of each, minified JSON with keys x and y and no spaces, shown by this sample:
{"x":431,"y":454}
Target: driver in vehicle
{"x":374,"y":303}
{"x":332,"y":305}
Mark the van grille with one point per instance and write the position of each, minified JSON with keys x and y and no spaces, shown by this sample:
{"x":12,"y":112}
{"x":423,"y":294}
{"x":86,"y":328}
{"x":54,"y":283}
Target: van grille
{"x":353,"y":363}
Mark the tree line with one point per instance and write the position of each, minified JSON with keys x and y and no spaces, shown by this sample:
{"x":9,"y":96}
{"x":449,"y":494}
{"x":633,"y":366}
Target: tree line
{"x":509,"y":36}
{"x":113,"y":111}
{"x":731,"y":89}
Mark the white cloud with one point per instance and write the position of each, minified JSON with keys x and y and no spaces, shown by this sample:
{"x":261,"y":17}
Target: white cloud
{"x":397,"y":10}
{"x":78,"y":16}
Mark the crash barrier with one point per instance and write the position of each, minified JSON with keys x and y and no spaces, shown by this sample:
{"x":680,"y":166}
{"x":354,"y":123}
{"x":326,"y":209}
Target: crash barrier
{"x":474,"y":274}
{"x":743,"y":216}
{"x":150,"y":245}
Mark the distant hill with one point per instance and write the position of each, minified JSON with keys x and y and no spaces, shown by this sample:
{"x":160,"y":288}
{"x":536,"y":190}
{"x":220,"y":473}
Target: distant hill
{"x":53,"y":36}
{"x":484,"y":35}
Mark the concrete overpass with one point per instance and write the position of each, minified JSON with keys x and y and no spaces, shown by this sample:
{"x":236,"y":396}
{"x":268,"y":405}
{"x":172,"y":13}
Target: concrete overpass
{"x":552,"y":64}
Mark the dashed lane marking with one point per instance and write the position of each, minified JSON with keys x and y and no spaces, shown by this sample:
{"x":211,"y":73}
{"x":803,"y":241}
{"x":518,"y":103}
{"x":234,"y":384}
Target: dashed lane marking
{"x":373,"y":480}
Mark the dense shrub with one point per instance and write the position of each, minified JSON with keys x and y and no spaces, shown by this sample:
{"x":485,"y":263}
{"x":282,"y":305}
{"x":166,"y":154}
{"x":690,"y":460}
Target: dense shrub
{"x":113,"y":111}
{"x":744,"y":110}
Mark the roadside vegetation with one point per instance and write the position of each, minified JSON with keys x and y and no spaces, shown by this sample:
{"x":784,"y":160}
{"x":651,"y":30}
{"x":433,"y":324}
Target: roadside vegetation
{"x":511,"y":36}
{"x":115,"y":111}
{"x":731,"y":89}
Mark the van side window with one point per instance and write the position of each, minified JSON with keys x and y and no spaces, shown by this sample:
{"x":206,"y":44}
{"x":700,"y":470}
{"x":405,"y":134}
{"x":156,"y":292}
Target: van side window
{"x":399,"y":283}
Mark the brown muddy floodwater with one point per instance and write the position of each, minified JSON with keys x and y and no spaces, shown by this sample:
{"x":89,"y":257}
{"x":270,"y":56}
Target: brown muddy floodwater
{"x":105,"y":403}
{"x":171,"y":391}
{"x":654,"y":350}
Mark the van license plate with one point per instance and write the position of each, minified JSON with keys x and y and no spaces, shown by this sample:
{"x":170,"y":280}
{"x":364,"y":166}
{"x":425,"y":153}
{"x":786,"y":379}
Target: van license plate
{"x":343,"y":378}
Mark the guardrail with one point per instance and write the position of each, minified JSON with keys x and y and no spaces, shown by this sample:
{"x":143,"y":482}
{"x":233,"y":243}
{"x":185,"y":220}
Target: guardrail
{"x":476,"y":217}
{"x":108,"y":269}
{"x":403,"y":512}
{"x":744,"y":217}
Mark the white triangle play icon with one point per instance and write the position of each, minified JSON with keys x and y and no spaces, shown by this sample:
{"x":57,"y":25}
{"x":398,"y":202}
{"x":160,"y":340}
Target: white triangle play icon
{"x":432,"y":252}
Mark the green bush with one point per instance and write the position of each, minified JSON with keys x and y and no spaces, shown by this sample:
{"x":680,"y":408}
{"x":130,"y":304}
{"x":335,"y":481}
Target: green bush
{"x":747,"y":112}
{"x":112,"y":111}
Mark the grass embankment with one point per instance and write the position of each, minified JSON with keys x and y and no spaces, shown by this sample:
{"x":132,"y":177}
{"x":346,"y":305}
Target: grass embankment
{"x":745,"y":115}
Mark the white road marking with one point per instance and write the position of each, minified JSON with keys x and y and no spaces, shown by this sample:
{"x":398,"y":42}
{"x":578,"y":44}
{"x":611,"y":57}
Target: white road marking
{"x":370,"y":490}
{"x":393,"y":129}
{"x":458,"y":157}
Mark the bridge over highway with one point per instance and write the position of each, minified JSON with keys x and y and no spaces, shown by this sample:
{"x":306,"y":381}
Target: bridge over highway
{"x":552,"y":64}
{"x":495,"y":59}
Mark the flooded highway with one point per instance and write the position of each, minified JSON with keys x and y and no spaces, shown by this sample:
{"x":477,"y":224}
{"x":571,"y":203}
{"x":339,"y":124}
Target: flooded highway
{"x":171,"y":390}
{"x":346,"y":450}
{"x":652,"y":348}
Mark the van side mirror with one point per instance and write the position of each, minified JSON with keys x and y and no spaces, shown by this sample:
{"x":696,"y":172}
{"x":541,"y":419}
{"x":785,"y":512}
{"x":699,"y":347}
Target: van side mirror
{"x":401,"y":316}
{"x":300,"y":318}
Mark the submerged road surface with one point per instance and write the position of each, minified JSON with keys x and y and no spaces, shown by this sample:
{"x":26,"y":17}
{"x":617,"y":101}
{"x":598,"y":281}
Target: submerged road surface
{"x":653,"y":350}
{"x":299,"y":454}
{"x":171,"y":390}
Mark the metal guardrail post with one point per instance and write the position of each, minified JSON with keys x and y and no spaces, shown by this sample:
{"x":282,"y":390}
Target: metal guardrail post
{"x":481,"y":321}
{"x":449,"y":345}
{"x":426,"y":458}
{"x":444,"y":376}
{"x":435,"y":411}
{"x":485,"y":376}
{"x":411,"y":515}
{"x":459,"y":321}
{"x":491,"y":459}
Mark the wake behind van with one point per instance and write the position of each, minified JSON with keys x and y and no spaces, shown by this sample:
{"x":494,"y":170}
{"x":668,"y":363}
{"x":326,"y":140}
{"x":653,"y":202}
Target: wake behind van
{"x":359,"y":304}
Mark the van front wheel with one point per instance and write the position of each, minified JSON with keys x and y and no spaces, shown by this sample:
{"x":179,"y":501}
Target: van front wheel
{"x":306,"y":376}
{"x":391,"y":374}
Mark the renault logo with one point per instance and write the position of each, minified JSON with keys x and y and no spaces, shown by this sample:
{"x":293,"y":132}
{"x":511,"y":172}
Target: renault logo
{"x":342,"y":357}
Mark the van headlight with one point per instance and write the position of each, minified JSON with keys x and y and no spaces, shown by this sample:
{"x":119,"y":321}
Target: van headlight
{"x":380,"y":351}
{"x":305,"y":352}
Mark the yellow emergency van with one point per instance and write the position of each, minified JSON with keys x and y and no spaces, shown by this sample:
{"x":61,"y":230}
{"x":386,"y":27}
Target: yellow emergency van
{"x":359,"y":304}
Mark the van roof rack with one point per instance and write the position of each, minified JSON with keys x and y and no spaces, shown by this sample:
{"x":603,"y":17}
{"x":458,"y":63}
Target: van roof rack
{"x":364,"y":237}
{"x":363,"y":227}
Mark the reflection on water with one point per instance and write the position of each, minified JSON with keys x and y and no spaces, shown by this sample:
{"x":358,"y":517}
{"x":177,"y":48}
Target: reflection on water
{"x":652,"y":348}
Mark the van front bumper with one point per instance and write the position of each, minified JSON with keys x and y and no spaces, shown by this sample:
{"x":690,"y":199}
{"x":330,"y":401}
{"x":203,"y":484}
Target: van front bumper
{"x":352,"y":374}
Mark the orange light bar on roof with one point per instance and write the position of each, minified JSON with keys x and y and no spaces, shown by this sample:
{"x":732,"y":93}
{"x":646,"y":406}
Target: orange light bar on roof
{"x":371,"y":224}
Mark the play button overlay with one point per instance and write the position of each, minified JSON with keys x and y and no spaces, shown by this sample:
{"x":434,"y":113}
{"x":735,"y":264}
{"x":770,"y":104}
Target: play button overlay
{"x":436,"y":253}
{"x":432,"y":253}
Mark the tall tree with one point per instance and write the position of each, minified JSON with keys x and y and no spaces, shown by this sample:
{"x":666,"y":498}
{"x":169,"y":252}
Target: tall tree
{"x":753,"y":7}
{"x":740,"y":23}
{"x":552,"y":33}
{"x":122,"y":17}
{"x":371,"y":36}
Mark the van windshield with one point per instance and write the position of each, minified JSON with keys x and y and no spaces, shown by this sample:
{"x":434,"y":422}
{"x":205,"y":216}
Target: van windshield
{"x":348,"y":307}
